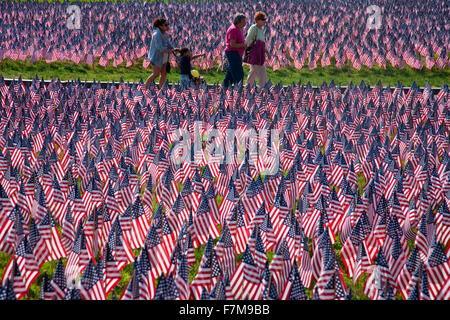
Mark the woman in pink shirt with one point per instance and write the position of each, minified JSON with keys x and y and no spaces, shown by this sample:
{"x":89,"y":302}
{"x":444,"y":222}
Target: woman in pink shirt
{"x":235,"y":47}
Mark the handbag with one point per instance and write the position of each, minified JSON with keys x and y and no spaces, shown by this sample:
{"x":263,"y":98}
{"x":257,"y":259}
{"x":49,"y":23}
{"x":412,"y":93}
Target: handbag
{"x":168,"y":62}
{"x":247,"y":50}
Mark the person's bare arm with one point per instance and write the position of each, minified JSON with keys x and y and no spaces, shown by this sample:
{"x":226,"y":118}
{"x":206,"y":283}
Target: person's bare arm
{"x":234,"y":44}
{"x":198,"y":56}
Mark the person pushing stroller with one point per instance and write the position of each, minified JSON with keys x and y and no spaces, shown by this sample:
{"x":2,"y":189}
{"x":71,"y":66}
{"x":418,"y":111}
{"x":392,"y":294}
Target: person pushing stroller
{"x":187,"y":74}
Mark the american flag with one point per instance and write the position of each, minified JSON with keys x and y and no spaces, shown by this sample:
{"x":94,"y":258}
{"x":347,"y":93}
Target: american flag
{"x":438,"y":267}
{"x":133,"y":290}
{"x":251,"y":273}
{"x":209,"y":271}
{"x":111,"y":275}
{"x":225,"y":252}
{"x":182,"y":276}
{"x":59,"y":282}
{"x":25,"y":262}
{"x":147,"y":285}
{"x":46,"y":292}
{"x":294,"y":289}
{"x":159,"y":257}
{"x":13,"y":281}
{"x":92,"y":287}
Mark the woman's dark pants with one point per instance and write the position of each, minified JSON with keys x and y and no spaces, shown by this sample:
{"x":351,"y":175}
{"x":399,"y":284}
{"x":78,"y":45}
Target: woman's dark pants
{"x":235,"y":72}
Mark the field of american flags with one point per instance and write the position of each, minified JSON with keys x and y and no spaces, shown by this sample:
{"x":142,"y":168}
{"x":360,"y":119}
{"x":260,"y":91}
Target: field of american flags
{"x":288,"y":193}
{"x":117,"y":31}
{"x":95,"y":205}
{"x":322,"y":42}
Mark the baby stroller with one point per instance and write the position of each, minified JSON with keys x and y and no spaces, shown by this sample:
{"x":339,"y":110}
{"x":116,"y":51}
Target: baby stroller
{"x":196,"y":79}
